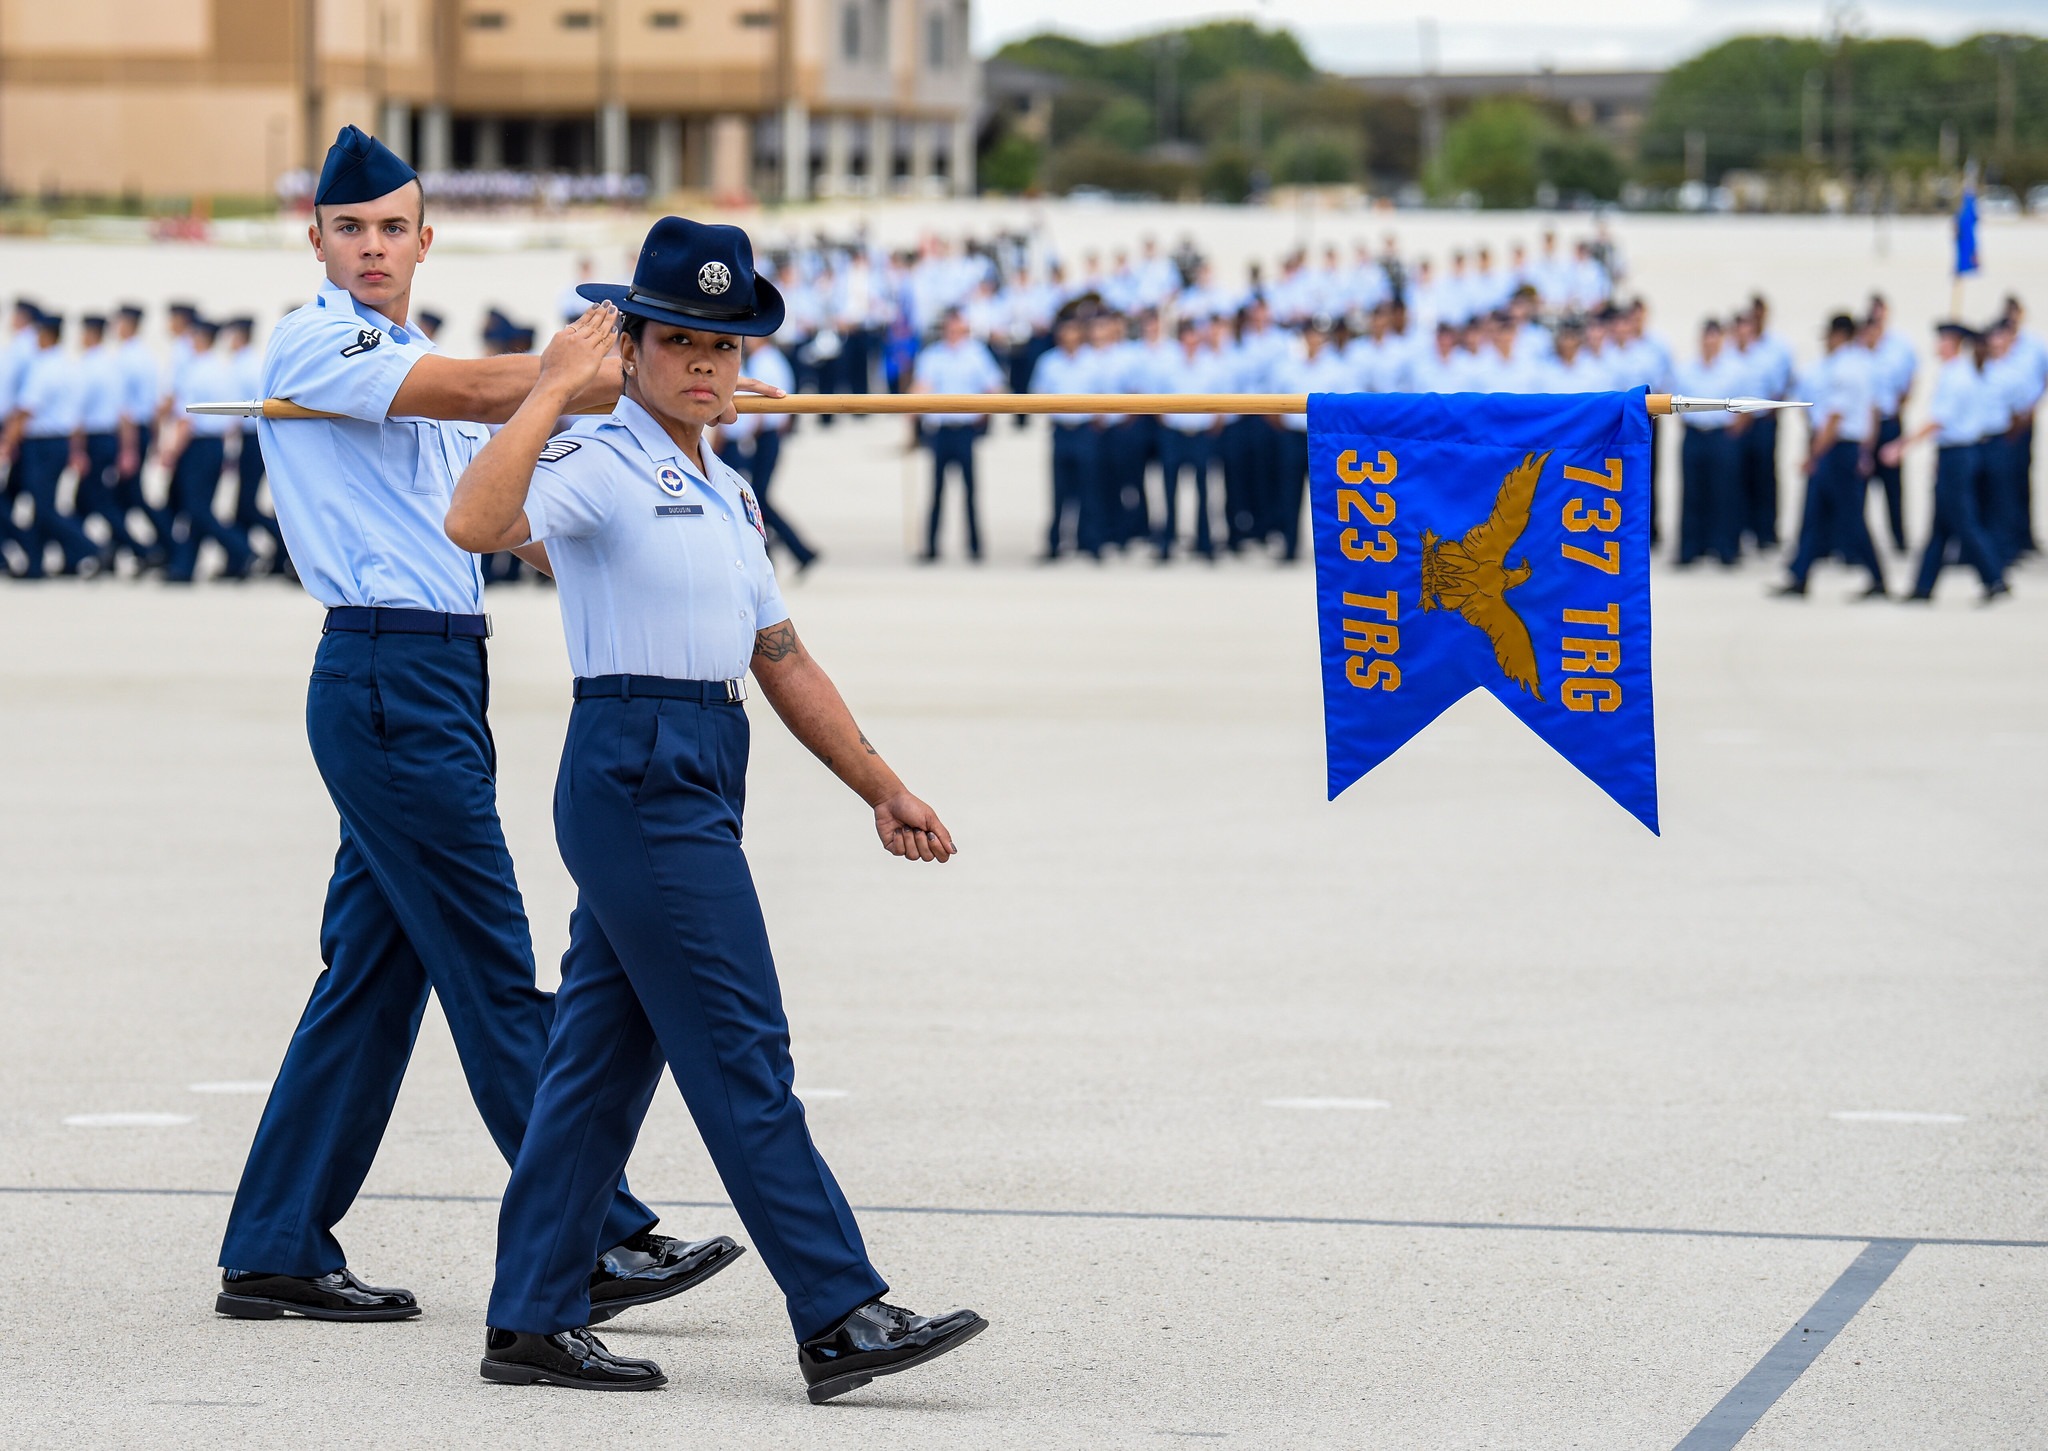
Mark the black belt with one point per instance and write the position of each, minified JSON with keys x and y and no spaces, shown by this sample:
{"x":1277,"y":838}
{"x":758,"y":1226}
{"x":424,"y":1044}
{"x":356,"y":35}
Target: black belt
{"x":625,"y":687}
{"x":363,"y":620}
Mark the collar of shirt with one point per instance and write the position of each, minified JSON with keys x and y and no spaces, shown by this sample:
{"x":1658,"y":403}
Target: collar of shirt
{"x":330,"y":295}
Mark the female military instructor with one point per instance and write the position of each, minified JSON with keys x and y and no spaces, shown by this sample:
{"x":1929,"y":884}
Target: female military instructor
{"x":668,"y":599}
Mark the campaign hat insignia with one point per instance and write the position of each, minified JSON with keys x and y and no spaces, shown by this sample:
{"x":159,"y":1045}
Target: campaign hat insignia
{"x":695,"y":274}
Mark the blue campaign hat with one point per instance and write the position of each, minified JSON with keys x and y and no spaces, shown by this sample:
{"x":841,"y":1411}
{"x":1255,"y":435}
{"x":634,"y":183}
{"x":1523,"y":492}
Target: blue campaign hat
{"x":359,"y":168}
{"x":693,"y":273}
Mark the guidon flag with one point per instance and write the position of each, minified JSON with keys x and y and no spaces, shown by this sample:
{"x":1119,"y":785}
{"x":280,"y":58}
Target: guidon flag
{"x":1486,"y":541}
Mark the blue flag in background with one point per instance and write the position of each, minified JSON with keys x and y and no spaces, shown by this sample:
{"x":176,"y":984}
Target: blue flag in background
{"x":1966,"y":232}
{"x":1489,"y":541}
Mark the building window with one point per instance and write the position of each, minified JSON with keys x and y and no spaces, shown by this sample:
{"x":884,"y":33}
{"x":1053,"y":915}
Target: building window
{"x":758,"y":19}
{"x":485,"y":20}
{"x":579,"y":19}
{"x":849,"y":32}
{"x":666,"y":20}
{"x":935,"y":41}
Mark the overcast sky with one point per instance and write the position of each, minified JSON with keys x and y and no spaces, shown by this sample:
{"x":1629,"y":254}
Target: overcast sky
{"x":1361,"y":35}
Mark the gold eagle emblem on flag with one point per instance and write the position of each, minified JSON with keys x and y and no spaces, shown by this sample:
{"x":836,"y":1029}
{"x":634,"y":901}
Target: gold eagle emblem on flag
{"x":1471,"y":575}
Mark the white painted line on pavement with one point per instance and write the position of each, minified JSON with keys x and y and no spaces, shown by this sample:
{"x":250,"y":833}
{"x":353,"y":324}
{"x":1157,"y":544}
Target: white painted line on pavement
{"x":234,"y":1085}
{"x":126,"y":1120}
{"x":1326,"y":1103}
{"x":1894,"y":1116}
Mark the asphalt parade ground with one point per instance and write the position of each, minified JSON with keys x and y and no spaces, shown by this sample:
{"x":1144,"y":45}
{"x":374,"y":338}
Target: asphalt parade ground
{"x":1460,"y":1112}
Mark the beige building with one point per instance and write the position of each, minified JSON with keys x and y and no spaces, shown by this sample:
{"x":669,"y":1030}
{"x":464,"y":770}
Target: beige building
{"x":222,"y":97}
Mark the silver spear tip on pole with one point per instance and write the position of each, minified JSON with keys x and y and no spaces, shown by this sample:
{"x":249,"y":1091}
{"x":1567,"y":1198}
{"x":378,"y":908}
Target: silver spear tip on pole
{"x":1731,"y":405}
{"x":250,"y":408}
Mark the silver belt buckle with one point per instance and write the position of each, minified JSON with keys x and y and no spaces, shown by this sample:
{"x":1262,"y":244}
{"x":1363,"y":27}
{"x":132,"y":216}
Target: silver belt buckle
{"x":736,"y":690}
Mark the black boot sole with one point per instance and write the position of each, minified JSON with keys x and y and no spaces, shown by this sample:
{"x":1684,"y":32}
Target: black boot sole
{"x":256,"y":1307}
{"x":511,"y":1373}
{"x":839,"y":1385}
{"x":603,"y":1310}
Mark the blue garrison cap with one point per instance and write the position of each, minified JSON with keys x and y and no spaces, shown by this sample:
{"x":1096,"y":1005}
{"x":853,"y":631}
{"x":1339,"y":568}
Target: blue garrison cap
{"x":694,"y":274}
{"x":359,"y":168}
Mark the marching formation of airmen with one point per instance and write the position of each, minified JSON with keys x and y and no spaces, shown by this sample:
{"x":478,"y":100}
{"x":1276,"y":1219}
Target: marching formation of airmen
{"x":1006,"y":313}
{"x":96,"y":416}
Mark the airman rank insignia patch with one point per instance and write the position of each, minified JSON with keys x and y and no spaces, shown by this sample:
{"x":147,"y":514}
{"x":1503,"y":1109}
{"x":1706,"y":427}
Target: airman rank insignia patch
{"x":560,"y":449}
{"x":366,"y":339}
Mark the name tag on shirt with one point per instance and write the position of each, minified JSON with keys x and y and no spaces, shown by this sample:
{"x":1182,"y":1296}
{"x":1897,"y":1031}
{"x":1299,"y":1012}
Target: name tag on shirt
{"x":663,"y":511}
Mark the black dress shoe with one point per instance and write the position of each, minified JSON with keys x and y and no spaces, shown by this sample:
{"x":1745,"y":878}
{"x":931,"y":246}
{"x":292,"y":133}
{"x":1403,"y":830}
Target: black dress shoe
{"x":879,"y":1339}
{"x":252,"y":1295}
{"x":573,"y":1358}
{"x":650,"y":1267}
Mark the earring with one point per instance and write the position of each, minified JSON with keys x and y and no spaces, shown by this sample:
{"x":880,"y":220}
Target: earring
{"x":629,"y":372}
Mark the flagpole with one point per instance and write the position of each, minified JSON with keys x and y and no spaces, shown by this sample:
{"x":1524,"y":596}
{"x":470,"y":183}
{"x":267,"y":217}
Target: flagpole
{"x":1229,"y":404}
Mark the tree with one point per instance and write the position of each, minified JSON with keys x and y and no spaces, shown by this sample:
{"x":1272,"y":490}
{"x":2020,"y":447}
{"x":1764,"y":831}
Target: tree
{"x":1494,"y":149}
{"x":1318,"y":156}
{"x":1011,"y":165}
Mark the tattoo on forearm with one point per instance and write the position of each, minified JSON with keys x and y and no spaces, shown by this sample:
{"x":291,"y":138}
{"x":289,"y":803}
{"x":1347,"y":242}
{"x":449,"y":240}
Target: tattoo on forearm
{"x":870,"y":748}
{"x":777,"y":642}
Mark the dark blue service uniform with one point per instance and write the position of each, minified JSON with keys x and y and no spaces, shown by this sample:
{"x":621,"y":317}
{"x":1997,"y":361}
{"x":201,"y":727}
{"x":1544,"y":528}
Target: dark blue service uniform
{"x":664,"y":580}
{"x":423,"y":895}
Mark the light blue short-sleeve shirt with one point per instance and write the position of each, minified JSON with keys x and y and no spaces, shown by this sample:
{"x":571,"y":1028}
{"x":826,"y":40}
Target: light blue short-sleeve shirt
{"x":660,"y":570}
{"x":361,"y":499}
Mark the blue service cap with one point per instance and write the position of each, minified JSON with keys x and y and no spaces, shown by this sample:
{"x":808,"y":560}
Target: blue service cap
{"x":359,"y":168}
{"x":695,"y":273}
{"x":431,"y":321}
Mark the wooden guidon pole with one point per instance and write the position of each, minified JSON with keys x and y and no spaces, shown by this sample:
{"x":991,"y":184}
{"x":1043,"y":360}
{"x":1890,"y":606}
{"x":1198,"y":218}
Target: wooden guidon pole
{"x":1231,"y":404}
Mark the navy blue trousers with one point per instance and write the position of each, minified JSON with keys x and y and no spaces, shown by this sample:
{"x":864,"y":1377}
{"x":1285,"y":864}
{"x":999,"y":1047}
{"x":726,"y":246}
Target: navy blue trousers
{"x":1710,"y":499}
{"x":1126,"y":450}
{"x":1956,"y":527}
{"x":1833,"y":516}
{"x":1760,"y":480}
{"x":1194,"y":452}
{"x":1290,"y":481}
{"x":2001,"y":495}
{"x":97,"y":493}
{"x":423,"y":898}
{"x":194,"y":482}
{"x":668,"y":961}
{"x":1076,"y":489}
{"x":41,"y":466}
{"x":1891,"y":480}
{"x":952,"y":446}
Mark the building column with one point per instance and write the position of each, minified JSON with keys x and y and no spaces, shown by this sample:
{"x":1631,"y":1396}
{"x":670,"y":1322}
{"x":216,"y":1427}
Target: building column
{"x":611,"y":139}
{"x":881,"y":154}
{"x":732,"y":159}
{"x":960,"y":173}
{"x":920,"y":156}
{"x":796,"y":151}
{"x":437,"y":140}
{"x":394,"y":128}
{"x":490,"y":145}
{"x":668,"y":156}
{"x":838,"y":179}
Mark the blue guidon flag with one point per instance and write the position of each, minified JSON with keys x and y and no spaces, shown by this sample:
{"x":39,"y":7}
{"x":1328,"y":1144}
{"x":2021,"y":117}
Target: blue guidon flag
{"x":1489,"y":541}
